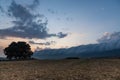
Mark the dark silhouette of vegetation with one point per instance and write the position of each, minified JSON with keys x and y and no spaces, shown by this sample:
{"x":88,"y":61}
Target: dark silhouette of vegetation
{"x":72,"y":58}
{"x":18,"y":50}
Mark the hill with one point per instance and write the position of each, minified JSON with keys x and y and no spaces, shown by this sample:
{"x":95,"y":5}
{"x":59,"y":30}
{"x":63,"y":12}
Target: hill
{"x":87,"y":51}
{"x":67,"y":69}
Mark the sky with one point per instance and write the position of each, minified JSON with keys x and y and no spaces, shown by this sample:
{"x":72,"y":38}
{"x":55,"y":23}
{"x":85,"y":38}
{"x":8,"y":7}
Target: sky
{"x":57,"y":23}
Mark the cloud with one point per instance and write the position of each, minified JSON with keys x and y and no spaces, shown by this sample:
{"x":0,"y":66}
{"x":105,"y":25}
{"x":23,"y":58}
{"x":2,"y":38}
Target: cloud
{"x":34,"y":4}
{"x":110,"y":38}
{"x":46,"y":43}
{"x":108,"y":46}
{"x":62,"y":35}
{"x":27,"y":24}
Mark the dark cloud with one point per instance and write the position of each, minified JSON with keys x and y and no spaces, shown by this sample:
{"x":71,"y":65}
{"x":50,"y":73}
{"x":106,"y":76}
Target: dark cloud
{"x":61,"y":35}
{"x":27,"y":24}
{"x":20,"y":13}
{"x":46,"y":43}
{"x":34,"y":4}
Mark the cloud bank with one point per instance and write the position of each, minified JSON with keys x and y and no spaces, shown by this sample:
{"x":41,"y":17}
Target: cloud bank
{"x":27,"y":24}
{"x":108,"y":46}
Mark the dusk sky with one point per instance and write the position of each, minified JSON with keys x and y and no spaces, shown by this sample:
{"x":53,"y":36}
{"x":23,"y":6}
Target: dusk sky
{"x":57,"y":23}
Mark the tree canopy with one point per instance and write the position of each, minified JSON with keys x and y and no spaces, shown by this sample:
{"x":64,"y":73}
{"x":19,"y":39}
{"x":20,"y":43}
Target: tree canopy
{"x":18,"y":50}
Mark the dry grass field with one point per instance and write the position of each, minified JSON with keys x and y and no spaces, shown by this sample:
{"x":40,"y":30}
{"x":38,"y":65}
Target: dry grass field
{"x":73,"y":69}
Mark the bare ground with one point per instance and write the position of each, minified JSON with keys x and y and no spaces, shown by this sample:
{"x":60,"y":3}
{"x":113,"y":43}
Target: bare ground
{"x":73,"y":69}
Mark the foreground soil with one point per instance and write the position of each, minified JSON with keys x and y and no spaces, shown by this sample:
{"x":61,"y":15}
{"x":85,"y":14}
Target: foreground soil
{"x":73,"y":69}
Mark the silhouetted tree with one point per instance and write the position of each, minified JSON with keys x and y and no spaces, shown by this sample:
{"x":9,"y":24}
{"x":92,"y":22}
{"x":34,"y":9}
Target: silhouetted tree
{"x":19,"y":50}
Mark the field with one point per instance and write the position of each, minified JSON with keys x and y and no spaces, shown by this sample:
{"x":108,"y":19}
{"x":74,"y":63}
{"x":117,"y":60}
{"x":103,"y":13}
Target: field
{"x":72,"y":69}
